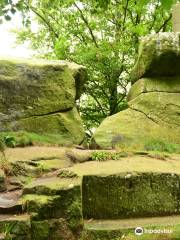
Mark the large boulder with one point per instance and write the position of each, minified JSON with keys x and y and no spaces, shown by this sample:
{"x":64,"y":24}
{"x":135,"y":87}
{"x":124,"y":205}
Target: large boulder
{"x":159,"y":55}
{"x":153,"y":116}
{"x":39,"y":96}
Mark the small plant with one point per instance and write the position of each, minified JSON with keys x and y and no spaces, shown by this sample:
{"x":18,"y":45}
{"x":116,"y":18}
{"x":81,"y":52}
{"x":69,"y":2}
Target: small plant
{"x":160,"y":146}
{"x":104,"y":156}
{"x":99,"y":156}
{"x":67,"y":174}
{"x":24,"y":141}
{"x":7,"y":230}
{"x":10,"y":141}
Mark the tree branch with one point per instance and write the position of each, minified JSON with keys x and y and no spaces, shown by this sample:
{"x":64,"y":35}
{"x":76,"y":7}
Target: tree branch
{"x":154,"y":16}
{"x":87,"y":24}
{"x":164,"y":24}
{"x":125,"y":14}
{"x":43,"y":19}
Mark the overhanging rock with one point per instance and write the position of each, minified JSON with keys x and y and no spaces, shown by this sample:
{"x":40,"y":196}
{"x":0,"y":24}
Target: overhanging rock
{"x":39,"y":96}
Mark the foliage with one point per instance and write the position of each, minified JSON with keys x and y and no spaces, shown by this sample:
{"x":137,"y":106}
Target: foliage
{"x":9,"y":141}
{"x":102,"y":35}
{"x":8,"y":228}
{"x":161,"y":146}
{"x":104,"y":156}
{"x":23,"y":139}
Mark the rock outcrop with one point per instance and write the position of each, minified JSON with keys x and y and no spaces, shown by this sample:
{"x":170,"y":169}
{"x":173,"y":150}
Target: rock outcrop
{"x":154,"y":99}
{"x":39,"y":96}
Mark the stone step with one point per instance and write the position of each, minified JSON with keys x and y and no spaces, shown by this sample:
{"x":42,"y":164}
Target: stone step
{"x":133,"y":194}
{"x":52,"y":197}
{"x":51,"y":186}
{"x":9,"y":202}
{"x":15,"y":226}
{"x":164,"y":228}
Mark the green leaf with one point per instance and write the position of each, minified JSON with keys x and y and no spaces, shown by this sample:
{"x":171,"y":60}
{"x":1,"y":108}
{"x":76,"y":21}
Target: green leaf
{"x":167,"y":4}
{"x":13,"y":10}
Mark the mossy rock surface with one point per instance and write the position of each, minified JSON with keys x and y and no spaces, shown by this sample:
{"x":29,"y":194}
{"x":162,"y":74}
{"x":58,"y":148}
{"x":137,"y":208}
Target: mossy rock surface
{"x":155,"y":85}
{"x":39,"y":96}
{"x":159,"y":55}
{"x":130,"y":195}
{"x":54,"y":229}
{"x":164,"y":228}
{"x":18,"y":226}
{"x":55,"y":198}
{"x":133,"y":130}
{"x":52,"y":186}
{"x":67,"y":125}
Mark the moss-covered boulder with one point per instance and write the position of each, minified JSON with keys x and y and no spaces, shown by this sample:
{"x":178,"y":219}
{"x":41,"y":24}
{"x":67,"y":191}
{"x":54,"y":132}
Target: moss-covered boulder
{"x":153,"y":116}
{"x":159,"y":55}
{"x":39,"y":96}
{"x":130,"y":195}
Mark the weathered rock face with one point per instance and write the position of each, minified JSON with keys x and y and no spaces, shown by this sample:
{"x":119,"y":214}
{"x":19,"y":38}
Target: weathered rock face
{"x":130,"y":195}
{"x":39,"y":96}
{"x":154,"y":99}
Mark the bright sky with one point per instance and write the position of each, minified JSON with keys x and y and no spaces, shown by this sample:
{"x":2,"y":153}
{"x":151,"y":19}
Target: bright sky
{"x":7,"y":39}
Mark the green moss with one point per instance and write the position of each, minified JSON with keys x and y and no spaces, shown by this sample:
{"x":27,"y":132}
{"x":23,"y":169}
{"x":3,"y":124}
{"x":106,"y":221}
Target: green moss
{"x":161,"y":146}
{"x":160,"y":107}
{"x":54,"y":229}
{"x":155,"y":84}
{"x":40,"y":98}
{"x":154,"y":100}
{"x":23,"y":138}
{"x":129,"y":130}
{"x":18,"y":226}
{"x":74,"y":215}
{"x":53,"y":186}
{"x":40,"y":230}
{"x":130,"y":195}
{"x":41,"y":204}
{"x":158,"y":56}
{"x":101,"y":235}
{"x":105,"y":156}
{"x":128,"y":234}
{"x":65,"y":173}
{"x":55,"y":198}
